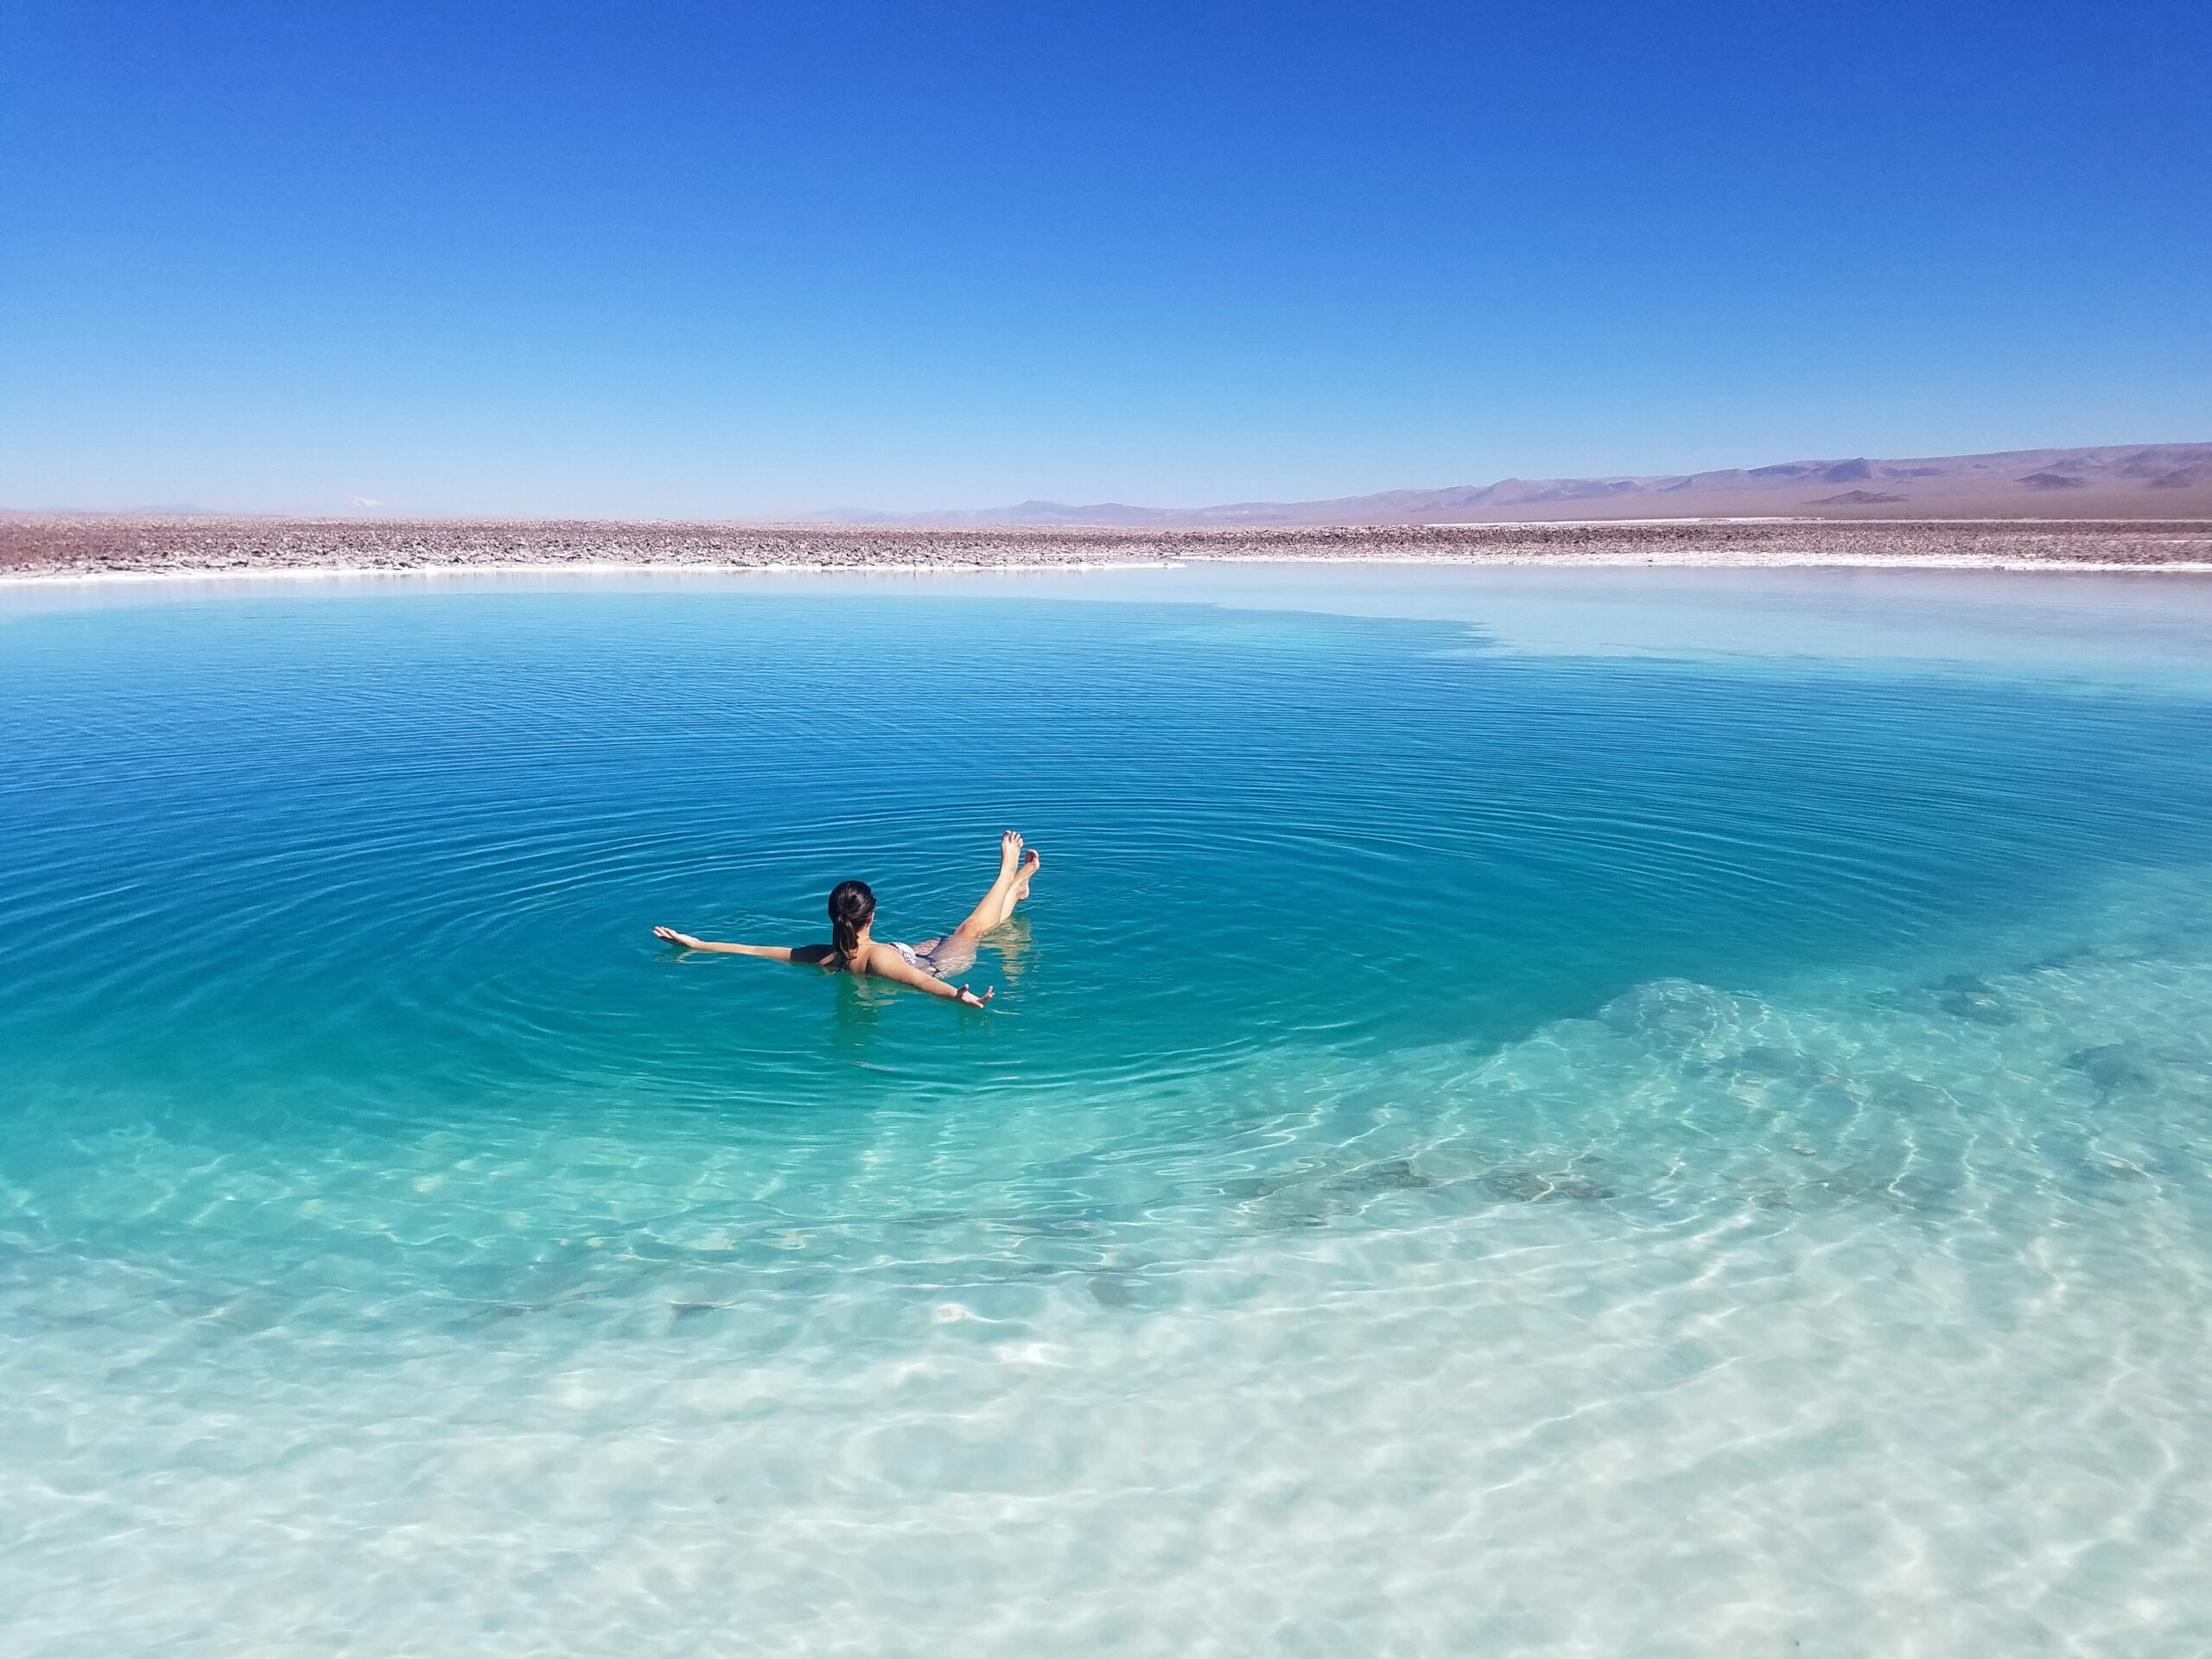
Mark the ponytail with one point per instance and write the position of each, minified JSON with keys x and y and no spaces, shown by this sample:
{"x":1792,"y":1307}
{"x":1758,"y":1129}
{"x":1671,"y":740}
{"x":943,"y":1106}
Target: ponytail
{"x":852,"y":907}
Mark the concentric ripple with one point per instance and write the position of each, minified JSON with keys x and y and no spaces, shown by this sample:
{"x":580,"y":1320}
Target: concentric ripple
{"x":1473,"y":1151}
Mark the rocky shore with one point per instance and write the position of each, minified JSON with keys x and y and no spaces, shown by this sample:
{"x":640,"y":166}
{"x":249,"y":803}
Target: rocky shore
{"x":58,"y":545}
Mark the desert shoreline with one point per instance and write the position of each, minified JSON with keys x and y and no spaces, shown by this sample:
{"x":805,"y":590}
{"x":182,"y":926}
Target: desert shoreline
{"x":477,"y":572}
{"x":72,"y":548}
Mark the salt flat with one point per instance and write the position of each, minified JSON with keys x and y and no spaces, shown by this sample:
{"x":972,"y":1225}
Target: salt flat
{"x":96,"y":545}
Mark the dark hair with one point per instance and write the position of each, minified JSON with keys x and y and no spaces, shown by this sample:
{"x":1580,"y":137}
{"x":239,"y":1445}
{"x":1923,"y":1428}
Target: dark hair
{"x":852,"y":907}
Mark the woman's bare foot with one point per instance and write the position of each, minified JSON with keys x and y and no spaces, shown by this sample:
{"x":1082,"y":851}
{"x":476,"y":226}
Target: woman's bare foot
{"x":1011,"y":888}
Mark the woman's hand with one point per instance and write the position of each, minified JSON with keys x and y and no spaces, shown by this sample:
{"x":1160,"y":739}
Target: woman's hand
{"x":969,"y":999}
{"x":675,"y":938}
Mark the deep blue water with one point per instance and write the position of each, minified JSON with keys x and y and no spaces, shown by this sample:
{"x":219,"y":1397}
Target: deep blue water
{"x":1652,"y":1084}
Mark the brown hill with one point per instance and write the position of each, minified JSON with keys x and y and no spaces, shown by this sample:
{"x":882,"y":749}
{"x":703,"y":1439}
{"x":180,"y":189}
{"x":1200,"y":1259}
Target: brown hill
{"x":2126,"y":481}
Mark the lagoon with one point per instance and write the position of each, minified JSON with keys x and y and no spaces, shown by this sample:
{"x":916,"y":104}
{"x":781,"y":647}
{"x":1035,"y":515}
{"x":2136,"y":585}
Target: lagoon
{"x":1566,"y":1111}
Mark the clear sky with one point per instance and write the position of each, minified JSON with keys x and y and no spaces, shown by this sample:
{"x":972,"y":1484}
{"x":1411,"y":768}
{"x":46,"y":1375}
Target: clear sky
{"x":737,"y":260}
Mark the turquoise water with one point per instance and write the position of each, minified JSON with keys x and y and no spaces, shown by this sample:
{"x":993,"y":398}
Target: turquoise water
{"x":1551,"y":1112}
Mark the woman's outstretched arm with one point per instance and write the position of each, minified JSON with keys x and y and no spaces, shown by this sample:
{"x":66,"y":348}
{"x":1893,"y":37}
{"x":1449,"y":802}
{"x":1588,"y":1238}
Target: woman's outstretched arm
{"x":773,"y":952}
{"x":887,"y":963}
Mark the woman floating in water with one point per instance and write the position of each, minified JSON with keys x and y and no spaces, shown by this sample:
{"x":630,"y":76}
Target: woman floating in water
{"x":852,"y":913}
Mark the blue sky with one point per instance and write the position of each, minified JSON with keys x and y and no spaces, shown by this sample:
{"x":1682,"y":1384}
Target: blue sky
{"x":733,"y":259}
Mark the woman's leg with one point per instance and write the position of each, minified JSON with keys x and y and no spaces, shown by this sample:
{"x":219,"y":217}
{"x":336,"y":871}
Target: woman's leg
{"x":1010,"y":890}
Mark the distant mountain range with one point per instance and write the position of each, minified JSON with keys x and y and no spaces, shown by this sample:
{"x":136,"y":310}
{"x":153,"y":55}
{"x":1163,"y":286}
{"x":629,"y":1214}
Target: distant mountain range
{"x":2126,"y":481}
{"x":2160,"y":480}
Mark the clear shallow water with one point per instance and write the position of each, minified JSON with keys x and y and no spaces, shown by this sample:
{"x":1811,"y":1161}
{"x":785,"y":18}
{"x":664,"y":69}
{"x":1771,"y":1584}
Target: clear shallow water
{"x":1510,"y":1125}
